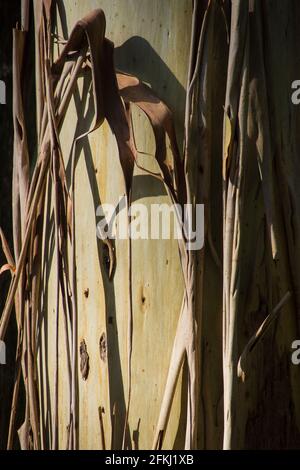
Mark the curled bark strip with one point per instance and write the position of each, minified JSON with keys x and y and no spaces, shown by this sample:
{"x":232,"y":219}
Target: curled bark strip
{"x":7,"y":267}
{"x":6,"y":250}
{"x":258,"y":335}
{"x":160,"y":116}
{"x":89,"y":31}
{"x":116,"y":116}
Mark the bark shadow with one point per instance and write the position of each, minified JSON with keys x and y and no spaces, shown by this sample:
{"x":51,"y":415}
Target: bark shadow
{"x":116,"y":387}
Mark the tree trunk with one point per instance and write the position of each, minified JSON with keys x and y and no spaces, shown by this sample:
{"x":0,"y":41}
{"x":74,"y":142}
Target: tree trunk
{"x":133,"y":344}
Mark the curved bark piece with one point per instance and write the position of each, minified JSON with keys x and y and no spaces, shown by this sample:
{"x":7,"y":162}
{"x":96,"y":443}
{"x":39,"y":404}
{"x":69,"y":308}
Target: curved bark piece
{"x":135,"y":92}
{"x":258,"y":335}
{"x":89,"y":31}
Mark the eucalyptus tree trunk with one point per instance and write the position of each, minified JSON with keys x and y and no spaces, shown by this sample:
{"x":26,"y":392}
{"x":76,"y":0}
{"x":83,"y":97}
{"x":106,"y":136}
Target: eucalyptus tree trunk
{"x":138,"y":344}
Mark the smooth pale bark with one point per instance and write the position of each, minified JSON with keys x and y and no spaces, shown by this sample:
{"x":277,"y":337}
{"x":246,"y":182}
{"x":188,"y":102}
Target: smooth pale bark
{"x":142,"y":47}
